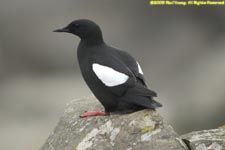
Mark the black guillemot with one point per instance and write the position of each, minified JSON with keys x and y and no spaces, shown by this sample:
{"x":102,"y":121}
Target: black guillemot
{"x":115,"y":77}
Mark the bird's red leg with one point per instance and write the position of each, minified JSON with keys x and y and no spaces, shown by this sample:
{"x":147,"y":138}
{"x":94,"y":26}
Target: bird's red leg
{"x":94,"y":113}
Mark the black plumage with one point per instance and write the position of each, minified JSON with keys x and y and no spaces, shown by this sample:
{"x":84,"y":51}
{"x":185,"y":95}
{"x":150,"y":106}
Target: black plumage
{"x":128,"y":93}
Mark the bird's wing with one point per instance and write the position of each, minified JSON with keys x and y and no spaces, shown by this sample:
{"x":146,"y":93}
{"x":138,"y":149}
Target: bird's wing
{"x":133,"y":65}
{"x":118,"y":78}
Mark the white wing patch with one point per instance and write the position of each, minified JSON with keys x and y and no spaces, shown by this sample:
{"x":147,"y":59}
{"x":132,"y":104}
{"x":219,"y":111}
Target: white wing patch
{"x":109,"y":76}
{"x":139,"y":69}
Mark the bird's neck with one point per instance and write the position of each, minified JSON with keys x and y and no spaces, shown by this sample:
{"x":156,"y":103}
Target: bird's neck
{"x":92,"y":41}
{"x":89,"y":44}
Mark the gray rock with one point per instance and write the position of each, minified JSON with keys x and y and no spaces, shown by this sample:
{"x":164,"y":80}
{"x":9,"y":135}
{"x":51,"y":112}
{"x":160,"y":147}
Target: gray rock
{"x":205,"y":140}
{"x":142,"y":130}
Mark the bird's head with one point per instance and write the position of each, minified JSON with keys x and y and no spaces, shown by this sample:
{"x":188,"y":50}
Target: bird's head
{"x":83,"y":28}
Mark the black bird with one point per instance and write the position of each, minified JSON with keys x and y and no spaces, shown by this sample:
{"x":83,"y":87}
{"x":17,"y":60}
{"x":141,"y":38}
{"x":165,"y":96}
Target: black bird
{"x":114,"y":76}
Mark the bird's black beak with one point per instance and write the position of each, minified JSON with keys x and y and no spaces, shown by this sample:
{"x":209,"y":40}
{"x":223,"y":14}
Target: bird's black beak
{"x":62,"y":30}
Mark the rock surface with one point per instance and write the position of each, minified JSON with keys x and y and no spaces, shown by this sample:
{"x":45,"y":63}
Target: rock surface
{"x":142,"y":130}
{"x":205,"y":140}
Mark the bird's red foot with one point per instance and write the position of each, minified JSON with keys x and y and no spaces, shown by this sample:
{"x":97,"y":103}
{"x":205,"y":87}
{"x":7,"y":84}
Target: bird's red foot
{"x":94,"y":113}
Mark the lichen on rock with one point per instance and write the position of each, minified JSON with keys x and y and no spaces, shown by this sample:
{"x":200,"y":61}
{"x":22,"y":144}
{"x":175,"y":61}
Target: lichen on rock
{"x":213,"y":139}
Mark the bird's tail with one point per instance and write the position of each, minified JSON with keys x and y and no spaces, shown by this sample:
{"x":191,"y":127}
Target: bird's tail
{"x":155,"y":104}
{"x":144,"y":101}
